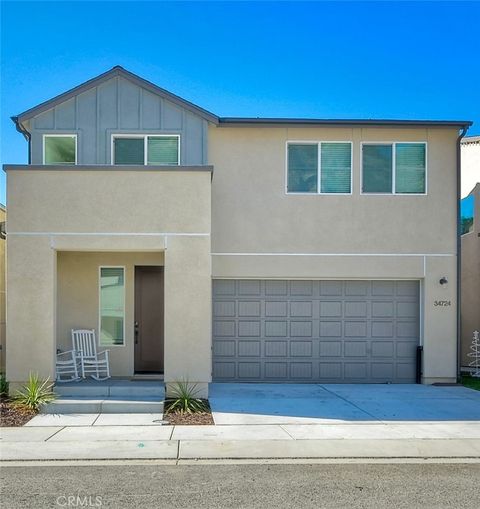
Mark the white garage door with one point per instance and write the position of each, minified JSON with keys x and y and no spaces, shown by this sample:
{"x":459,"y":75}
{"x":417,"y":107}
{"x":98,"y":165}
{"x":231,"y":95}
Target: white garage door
{"x":315,"y":331}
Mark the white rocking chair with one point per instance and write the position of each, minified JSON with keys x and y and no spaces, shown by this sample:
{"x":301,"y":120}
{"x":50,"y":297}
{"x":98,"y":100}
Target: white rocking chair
{"x":67,"y":365}
{"x":92,"y":363}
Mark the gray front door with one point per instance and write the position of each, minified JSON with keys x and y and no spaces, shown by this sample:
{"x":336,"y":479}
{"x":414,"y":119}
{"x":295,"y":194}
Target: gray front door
{"x":315,"y":331}
{"x":149,"y":320}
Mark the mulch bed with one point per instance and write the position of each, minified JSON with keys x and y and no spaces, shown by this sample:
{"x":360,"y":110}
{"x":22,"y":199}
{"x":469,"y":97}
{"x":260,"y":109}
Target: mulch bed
{"x":198,"y":418}
{"x":14,"y":415}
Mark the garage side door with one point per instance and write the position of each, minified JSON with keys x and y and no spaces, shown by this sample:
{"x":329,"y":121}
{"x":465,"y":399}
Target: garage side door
{"x":315,"y":331}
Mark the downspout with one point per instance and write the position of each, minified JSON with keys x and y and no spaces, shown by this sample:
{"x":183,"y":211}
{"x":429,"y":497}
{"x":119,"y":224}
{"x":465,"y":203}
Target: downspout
{"x":463,"y":132}
{"x":27,"y":136}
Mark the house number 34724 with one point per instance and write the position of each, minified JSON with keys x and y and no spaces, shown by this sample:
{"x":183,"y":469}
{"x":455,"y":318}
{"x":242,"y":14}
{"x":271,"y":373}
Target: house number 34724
{"x":442,"y":303}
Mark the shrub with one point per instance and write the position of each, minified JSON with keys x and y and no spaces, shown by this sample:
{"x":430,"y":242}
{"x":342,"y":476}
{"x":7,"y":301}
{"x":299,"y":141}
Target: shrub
{"x":35,"y":393}
{"x":184,"y":399}
{"x":3,"y":385}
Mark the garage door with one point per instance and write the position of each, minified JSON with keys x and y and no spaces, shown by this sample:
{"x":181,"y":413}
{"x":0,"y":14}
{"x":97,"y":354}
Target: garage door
{"x":318,"y":331}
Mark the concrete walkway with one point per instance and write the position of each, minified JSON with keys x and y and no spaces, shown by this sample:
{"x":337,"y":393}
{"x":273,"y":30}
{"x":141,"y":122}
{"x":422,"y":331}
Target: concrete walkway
{"x":378,"y":440}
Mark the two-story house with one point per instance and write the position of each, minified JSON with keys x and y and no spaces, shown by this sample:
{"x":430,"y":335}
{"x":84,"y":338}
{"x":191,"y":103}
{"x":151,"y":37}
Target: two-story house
{"x":232,"y":249}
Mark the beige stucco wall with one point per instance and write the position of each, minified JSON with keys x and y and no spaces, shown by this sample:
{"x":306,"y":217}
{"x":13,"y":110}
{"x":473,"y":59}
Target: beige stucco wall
{"x":259,"y":231}
{"x":81,"y":217}
{"x":78,"y":294}
{"x":470,"y":163}
{"x":2,"y":294}
{"x":471,"y":281}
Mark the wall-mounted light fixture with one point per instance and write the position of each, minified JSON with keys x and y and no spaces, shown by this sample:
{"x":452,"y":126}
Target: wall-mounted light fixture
{"x":443,"y":281}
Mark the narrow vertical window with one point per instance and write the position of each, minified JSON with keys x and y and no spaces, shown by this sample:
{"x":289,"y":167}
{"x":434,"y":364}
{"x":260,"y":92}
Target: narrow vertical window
{"x":302,"y":168}
{"x":60,"y":149}
{"x":112,"y":306}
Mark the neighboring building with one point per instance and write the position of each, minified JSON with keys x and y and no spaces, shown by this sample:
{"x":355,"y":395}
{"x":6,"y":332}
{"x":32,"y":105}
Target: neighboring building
{"x":470,"y":249}
{"x":470,"y":163}
{"x":242,"y":249}
{"x":3,"y":216}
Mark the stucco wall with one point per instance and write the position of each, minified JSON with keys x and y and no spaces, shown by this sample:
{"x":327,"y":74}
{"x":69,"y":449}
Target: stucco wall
{"x":258,"y":231}
{"x":251,"y":212}
{"x":2,"y":295}
{"x":470,"y":163}
{"x":471,"y":281}
{"x":114,"y":107}
{"x":83,"y":216}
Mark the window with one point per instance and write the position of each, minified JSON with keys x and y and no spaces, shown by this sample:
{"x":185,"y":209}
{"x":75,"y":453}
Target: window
{"x":324,"y":167}
{"x":146,"y":149}
{"x":394,"y":168}
{"x":112,"y":306}
{"x":467,"y":214}
{"x":60,"y":149}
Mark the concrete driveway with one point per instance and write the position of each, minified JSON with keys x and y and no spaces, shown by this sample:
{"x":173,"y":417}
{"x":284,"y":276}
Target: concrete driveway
{"x":243,"y":403}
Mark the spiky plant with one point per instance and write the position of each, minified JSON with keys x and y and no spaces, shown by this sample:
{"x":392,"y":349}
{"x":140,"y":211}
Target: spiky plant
{"x":35,"y":393}
{"x":3,"y":385}
{"x":184,"y":399}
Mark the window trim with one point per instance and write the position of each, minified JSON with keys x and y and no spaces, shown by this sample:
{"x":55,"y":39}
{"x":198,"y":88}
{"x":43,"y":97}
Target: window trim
{"x":100,"y":267}
{"x":319,"y":167}
{"x":394,"y":160}
{"x":145,"y":137}
{"x":56,"y":135}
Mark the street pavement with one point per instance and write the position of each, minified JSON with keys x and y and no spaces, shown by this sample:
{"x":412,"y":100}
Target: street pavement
{"x":263,"y":486}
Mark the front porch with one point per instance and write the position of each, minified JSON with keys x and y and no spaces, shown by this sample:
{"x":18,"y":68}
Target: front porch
{"x":66,"y":223}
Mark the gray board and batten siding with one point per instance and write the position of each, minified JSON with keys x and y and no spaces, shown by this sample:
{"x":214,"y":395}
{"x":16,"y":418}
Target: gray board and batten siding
{"x":118,"y":106}
{"x":315,"y":331}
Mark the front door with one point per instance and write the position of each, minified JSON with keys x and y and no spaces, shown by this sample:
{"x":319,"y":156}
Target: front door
{"x":149,"y":319}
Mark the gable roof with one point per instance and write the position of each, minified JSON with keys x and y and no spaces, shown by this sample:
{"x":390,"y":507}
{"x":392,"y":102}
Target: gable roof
{"x":112,"y":73}
{"x":211,"y":117}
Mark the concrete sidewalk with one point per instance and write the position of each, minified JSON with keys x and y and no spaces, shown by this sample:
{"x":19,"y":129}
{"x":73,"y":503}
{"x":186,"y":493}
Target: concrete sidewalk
{"x":366,"y":440}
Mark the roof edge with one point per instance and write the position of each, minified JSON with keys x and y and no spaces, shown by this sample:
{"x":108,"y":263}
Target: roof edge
{"x":101,"y":78}
{"x":330,"y":121}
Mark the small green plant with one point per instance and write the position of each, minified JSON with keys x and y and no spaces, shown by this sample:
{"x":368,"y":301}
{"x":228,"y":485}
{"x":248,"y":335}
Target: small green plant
{"x":184,"y":399}
{"x":3,"y":385}
{"x":35,"y":393}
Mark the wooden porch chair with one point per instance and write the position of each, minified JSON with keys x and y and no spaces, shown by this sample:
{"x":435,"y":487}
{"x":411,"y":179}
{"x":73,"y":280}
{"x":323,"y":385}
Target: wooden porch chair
{"x":67,"y":367}
{"x":92,"y":363}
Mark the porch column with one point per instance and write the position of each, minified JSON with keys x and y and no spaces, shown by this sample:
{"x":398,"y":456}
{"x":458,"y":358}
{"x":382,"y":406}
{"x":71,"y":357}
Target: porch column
{"x":31,"y":303}
{"x":188,"y":314}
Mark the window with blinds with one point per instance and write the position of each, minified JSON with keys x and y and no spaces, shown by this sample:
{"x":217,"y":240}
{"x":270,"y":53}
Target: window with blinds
{"x":410,"y":168}
{"x":112,"y":306}
{"x":394,"y":168}
{"x":148,"y":149}
{"x":321,"y":167}
{"x":163,"y":150}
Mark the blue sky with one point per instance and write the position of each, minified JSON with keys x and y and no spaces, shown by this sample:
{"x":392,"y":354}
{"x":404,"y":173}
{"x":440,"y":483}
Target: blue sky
{"x":315,"y":59}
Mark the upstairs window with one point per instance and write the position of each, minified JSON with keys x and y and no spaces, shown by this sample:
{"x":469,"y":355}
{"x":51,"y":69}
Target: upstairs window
{"x":60,"y":149}
{"x":324,"y":167}
{"x":146,"y":149}
{"x":394,"y":168}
